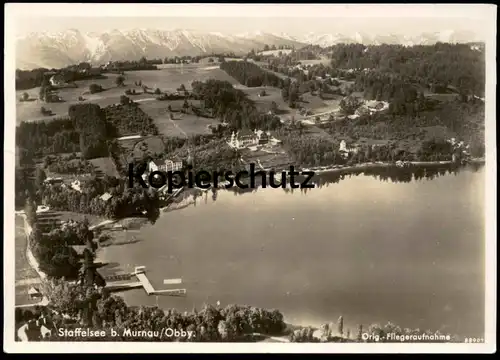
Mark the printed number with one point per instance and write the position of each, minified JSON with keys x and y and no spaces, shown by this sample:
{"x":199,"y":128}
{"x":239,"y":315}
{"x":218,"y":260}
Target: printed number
{"x":474,"y":340}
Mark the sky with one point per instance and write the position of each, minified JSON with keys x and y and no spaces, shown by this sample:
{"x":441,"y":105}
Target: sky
{"x":293,"y":19}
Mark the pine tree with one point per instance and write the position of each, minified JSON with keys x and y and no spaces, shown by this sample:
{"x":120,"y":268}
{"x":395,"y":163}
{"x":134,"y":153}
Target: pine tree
{"x":360,"y":333}
{"x":340,"y":325}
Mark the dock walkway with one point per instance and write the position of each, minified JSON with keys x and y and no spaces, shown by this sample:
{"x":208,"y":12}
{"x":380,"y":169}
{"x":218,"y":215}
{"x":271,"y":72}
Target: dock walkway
{"x":143,"y":279}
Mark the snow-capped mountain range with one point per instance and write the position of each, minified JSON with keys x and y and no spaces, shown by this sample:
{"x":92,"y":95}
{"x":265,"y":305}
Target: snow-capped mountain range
{"x":54,"y":50}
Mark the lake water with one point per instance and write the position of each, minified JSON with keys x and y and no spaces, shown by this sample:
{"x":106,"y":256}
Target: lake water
{"x":371,"y":250}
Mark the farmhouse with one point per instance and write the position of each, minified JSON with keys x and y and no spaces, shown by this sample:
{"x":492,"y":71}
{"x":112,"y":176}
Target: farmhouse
{"x":57,"y":80}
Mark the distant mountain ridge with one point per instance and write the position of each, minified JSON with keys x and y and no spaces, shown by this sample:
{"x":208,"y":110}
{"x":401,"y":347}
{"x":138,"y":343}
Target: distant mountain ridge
{"x":54,"y":50}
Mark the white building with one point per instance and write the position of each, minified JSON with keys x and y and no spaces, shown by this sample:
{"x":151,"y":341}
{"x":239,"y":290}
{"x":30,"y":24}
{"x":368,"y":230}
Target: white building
{"x":345,"y":150}
{"x":164,"y":165}
{"x":106,"y":196}
{"x":246,"y":138}
{"x":76,"y":185}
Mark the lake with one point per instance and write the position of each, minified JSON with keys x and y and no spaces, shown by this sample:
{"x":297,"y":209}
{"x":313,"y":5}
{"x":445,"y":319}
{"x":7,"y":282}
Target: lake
{"x":370,"y":249}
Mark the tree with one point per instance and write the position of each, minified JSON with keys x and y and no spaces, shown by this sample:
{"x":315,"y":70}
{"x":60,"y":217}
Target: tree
{"x":39,"y":178}
{"x":274,"y":107}
{"x":119,"y":81}
{"x":157,"y":91}
{"x":350,"y":104}
{"x":84,"y":66}
{"x":124,"y":100}
{"x":182,"y":88}
{"x":340,"y":326}
{"x":360,"y":333}
{"x":95,"y":88}
{"x":25,"y":96}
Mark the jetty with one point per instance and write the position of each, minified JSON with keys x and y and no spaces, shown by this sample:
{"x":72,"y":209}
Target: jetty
{"x":143,"y":282}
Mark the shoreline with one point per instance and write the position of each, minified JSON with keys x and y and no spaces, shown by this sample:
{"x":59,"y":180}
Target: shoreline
{"x":381,"y":164}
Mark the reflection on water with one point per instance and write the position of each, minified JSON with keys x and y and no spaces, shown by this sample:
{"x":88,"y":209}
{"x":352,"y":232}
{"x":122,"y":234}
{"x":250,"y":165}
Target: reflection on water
{"x":406,"y":250}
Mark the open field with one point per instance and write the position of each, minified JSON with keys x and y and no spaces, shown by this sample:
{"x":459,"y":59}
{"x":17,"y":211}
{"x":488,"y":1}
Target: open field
{"x":318,"y":105}
{"x":263,"y":103}
{"x":169,"y":78}
{"x":181,"y":125}
{"x":104,"y":166}
{"x":324,"y":60}
{"x":275,"y":52}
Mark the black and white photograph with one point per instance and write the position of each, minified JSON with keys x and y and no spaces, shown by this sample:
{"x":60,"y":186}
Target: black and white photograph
{"x":250,"y":178}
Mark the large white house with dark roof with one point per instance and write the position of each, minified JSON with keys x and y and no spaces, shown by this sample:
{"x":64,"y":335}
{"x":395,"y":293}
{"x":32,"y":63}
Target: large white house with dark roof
{"x":245,"y":138}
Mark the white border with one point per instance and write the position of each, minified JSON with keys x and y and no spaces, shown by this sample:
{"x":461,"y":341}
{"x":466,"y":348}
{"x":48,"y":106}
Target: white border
{"x":485,"y":12}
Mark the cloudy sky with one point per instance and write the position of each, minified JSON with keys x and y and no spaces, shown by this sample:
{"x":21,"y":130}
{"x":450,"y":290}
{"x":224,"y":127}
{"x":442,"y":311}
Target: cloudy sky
{"x":296,"y":19}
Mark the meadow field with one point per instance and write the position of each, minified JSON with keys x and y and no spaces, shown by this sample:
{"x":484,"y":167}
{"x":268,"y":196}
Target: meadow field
{"x":168,"y":78}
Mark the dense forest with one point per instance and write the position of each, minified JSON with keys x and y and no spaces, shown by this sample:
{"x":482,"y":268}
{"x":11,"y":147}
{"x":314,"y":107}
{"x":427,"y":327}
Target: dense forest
{"x":85,"y":130}
{"x":127,"y":119}
{"x":395,"y":73}
{"x":90,"y":122}
{"x":233,"y":106}
{"x":68,"y":164}
{"x":52,"y":247}
{"x":142,"y":64}
{"x":125,"y":202}
{"x":249,"y":74}
{"x":47,"y":137}
{"x":88,"y":130}
{"x":448,"y":64}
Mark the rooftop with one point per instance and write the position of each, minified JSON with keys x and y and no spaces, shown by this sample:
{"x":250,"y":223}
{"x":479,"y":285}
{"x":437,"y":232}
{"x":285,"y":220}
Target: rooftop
{"x":106,"y":196}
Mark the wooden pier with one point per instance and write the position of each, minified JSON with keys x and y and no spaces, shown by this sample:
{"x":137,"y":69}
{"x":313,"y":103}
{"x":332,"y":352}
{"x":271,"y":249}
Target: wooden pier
{"x":143,"y":281}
